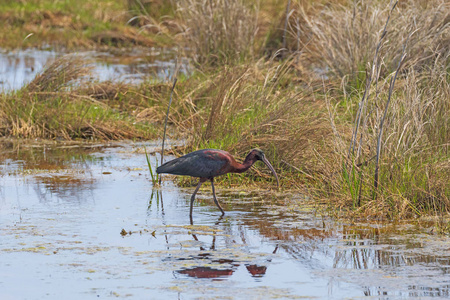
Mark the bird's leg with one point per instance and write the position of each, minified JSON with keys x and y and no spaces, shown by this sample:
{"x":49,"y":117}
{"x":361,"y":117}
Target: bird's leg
{"x":214,"y":195}
{"x":193,"y":196}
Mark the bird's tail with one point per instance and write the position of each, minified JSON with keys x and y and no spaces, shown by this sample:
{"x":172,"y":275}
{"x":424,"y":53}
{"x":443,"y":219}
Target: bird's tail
{"x":167,"y":167}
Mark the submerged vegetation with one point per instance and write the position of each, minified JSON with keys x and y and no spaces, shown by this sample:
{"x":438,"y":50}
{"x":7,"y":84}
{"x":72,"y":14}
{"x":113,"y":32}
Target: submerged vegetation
{"x":350,"y":100}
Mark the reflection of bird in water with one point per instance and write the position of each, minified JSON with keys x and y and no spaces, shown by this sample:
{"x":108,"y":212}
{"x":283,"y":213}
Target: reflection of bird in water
{"x":209,"y":163}
{"x":256,"y":271}
{"x":206,"y":272}
{"x":213,"y":244}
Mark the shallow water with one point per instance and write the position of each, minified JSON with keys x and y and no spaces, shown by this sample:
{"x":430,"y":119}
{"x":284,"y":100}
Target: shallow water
{"x":83,"y":221}
{"x":19,"y":67}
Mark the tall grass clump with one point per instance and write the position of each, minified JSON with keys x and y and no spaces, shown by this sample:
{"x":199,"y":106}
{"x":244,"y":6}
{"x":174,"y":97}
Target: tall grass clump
{"x":397,"y":158}
{"x":218,"y":32}
{"x":59,"y":75}
{"x":344,"y":36}
{"x":413,"y":171}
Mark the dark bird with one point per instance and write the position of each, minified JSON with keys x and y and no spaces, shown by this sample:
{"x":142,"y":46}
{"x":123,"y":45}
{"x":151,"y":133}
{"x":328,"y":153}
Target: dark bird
{"x":209,"y":163}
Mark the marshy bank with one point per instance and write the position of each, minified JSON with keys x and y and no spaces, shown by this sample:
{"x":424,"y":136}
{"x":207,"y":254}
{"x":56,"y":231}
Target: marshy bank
{"x":369,"y":139}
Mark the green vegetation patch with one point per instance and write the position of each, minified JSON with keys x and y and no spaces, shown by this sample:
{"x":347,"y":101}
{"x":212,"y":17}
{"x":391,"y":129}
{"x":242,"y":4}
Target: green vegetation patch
{"x":69,"y":23}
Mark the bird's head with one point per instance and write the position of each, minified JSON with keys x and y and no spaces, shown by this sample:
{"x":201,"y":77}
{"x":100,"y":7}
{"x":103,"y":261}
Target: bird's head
{"x":258,"y":154}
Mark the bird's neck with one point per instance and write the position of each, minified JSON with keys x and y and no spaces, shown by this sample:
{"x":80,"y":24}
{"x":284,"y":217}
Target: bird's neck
{"x":248,"y":162}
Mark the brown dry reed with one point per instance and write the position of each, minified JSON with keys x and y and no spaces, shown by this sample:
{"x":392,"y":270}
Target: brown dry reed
{"x":397,"y":160}
{"x":59,"y":75}
{"x":343,"y":37}
{"x":218,"y":32}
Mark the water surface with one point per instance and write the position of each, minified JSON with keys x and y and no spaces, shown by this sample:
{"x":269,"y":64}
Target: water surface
{"x":83,"y":221}
{"x":20,"y":67}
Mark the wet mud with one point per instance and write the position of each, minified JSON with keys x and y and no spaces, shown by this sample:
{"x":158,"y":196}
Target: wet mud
{"x":82,"y":221}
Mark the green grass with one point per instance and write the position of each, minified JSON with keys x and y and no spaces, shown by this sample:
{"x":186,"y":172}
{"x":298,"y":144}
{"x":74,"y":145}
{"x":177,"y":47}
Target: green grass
{"x":69,"y":23}
{"x":153,"y":176}
{"x":67,"y":118}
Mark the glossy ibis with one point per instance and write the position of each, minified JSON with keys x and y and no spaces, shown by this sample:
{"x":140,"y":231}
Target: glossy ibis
{"x":209,"y":163}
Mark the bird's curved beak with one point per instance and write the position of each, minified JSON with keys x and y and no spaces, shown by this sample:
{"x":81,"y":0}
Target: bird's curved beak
{"x":264,"y":159}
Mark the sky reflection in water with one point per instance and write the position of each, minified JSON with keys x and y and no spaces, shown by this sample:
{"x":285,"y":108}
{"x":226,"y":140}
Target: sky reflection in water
{"x":21,"y":66}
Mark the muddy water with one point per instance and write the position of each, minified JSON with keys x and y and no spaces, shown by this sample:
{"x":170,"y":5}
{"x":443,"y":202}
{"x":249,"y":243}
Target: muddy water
{"x":83,"y":221}
{"x":19,"y":67}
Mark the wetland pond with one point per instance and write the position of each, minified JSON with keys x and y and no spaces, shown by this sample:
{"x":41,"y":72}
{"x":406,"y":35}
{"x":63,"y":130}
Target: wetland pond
{"x":82,"y":221}
{"x":134,"y":66}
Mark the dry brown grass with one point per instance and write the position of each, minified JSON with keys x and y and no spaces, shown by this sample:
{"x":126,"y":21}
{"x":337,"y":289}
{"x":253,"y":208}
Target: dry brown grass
{"x":343,"y":37}
{"x":124,"y":38}
{"x":60,"y":74}
{"x":411,"y":152}
{"x":413,"y":148}
{"x":218,"y":32}
{"x":105,"y":90}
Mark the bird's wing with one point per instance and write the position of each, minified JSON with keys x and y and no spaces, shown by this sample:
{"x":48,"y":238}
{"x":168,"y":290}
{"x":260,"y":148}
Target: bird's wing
{"x":203,"y":163}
